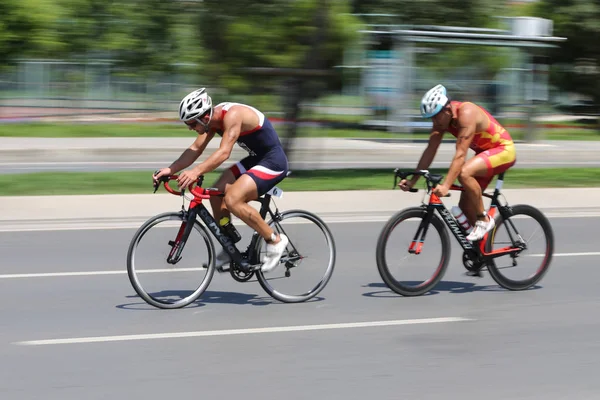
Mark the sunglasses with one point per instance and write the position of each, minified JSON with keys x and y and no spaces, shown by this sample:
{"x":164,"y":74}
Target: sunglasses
{"x":193,"y":124}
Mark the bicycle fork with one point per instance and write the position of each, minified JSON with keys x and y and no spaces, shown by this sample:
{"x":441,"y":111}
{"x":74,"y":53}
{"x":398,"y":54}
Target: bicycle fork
{"x":417,"y":243}
{"x":183,"y":234}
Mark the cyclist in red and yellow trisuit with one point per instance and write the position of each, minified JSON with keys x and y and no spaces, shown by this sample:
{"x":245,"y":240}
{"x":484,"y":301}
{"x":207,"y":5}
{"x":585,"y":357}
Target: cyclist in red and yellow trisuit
{"x":473,"y":128}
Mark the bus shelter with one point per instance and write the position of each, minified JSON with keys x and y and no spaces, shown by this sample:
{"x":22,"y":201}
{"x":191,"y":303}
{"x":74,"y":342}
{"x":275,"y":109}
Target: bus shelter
{"x":531,"y":37}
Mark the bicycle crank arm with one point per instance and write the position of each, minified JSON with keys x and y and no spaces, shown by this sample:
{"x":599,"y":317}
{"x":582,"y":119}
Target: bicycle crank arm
{"x":291,"y":262}
{"x":246,"y":267}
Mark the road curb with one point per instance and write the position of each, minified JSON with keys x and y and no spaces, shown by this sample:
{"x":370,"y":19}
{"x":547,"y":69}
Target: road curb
{"x":101,"y":223}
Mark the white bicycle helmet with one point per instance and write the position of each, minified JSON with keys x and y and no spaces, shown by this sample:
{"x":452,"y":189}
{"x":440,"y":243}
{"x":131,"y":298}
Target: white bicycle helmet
{"x":433,"y":101}
{"x":195,"y":106}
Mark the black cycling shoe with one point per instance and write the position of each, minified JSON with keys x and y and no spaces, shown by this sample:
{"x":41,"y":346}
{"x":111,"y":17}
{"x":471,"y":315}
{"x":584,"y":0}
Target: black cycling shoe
{"x":474,"y":273}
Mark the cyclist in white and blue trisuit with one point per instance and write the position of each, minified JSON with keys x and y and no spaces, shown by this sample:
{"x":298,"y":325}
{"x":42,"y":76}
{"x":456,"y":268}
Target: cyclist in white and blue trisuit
{"x":264,"y":167}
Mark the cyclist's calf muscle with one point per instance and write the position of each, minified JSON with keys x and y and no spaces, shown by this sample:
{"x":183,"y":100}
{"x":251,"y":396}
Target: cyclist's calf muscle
{"x":473,"y":200}
{"x":237,"y":197}
{"x":218,"y":202}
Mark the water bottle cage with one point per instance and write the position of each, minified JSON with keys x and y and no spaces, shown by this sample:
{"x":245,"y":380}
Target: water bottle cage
{"x":231,"y":232}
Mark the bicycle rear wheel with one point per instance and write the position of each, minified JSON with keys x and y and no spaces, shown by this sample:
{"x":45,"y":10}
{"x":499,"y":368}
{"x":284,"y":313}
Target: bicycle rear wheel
{"x":308,"y":261}
{"x":434,"y":251}
{"x":526,"y":227}
{"x":148,"y":269}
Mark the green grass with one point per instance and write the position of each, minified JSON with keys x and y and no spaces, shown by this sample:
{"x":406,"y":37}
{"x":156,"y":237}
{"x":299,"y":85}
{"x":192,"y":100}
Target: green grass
{"x":356,"y":133}
{"x":560,"y":134}
{"x":72,"y":183}
{"x":364,"y":179}
{"x":345,"y":118}
{"x":65,"y":130}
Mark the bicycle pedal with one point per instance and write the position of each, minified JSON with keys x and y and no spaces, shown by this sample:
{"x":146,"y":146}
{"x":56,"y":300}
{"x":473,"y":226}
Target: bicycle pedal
{"x":475,"y":274}
{"x":255,"y":267}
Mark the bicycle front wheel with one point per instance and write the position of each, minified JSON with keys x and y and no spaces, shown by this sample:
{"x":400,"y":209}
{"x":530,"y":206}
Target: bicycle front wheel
{"x":401,"y":253}
{"x":308,"y":261}
{"x":165,"y":284}
{"x":528,"y":228}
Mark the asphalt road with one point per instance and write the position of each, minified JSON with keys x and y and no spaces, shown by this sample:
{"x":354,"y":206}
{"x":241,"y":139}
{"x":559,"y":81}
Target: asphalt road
{"x":541,"y":343}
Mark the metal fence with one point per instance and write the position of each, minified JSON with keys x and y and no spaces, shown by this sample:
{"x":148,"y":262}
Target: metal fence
{"x":92,"y":84}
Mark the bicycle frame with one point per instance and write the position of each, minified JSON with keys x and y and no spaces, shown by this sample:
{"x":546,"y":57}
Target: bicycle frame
{"x":197,"y":209}
{"x":436,"y":204}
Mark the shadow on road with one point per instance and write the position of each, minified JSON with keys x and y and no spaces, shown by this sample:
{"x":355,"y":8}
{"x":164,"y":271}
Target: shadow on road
{"x":443,"y":286}
{"x":208,"y":297}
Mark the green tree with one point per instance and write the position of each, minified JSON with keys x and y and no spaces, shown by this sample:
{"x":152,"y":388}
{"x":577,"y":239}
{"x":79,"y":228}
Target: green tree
{"x":139,"y":34}
{"x":576,"y":61}
{"x":272,"y":33}
{"x":143,"y":33}
{"x":26,"y":29}
{"x":83,"y":26}
{"x":425,"y":12}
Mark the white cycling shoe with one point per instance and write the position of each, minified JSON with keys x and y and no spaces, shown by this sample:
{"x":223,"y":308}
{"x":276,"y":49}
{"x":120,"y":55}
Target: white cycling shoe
{"x":273,"y":254}
{"x":222,"y":260}
{"x":481,"y":228}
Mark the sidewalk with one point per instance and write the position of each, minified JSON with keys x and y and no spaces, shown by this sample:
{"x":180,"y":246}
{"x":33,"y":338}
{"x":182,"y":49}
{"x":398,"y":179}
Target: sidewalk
{"x":308,"y":153}
{"x":109,"y":211}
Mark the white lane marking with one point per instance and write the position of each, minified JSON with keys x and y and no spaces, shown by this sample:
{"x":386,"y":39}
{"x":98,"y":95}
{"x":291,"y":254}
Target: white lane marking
{"x":30,"y":165}
{"x":280,"y":329}
{"x":166,"y":270}
{"x":91,"y":273}
{"x":434,"y":164}
{"x":83,"y":163}
{"x":584,"y":254}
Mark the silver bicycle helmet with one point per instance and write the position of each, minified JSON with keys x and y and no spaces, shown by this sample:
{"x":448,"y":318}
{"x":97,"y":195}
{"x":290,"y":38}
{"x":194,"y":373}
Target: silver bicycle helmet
{"x":195,"y":106}
{"x":433,"y":101}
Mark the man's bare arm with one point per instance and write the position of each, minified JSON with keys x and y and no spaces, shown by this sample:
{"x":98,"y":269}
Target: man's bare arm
{"x":435,"y":138}
{"x":192,"y":153}
{"x":232,"y":126}
{"x":467,"y":123}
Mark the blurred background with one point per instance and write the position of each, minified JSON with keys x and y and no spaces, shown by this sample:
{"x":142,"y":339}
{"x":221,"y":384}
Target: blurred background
{"x":316,"y":67}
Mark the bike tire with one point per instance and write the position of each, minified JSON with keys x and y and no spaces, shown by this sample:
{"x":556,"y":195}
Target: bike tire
{"x":285,"y":298}
{"x":510,"y":284}
{"x":382,"y":264}
{"x":131,"y":271}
